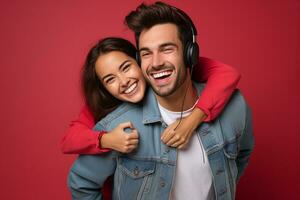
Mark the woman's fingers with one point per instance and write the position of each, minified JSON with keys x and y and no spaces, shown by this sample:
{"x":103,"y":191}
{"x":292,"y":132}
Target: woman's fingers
{"x":133,"y":142}
{"x":130,"y":148}
{"x":126,"y":125}
{"x":167,"y":135}
{"x":133,"y":134}
{"x":176,"y":140}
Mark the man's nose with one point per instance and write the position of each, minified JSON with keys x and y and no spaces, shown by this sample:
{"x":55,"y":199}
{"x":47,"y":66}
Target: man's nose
{"x":157,"y":60}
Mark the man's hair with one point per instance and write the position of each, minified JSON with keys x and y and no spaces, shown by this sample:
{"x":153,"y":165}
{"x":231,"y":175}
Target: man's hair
{"x":147,"y":16}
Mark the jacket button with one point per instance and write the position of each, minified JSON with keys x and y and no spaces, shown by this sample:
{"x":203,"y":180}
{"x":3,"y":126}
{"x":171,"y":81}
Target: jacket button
{"x":136,"y":171}
{"x":222,"y":191}
{"x":167,"y":149}
{"x":162,"y":184}
{"x":219,"y":171}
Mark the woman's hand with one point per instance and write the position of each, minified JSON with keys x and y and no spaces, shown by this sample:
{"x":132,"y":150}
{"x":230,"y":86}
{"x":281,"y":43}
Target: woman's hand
{"x":119,"y":140}
{"x":180,"y":137}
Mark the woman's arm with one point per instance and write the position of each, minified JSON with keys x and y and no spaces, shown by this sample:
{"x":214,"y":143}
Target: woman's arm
{"x":221,"y":80}
{"x":81,"y":139}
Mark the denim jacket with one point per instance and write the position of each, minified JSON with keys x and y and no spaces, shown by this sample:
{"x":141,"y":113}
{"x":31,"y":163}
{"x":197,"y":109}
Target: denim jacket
{"x":148,"y":172}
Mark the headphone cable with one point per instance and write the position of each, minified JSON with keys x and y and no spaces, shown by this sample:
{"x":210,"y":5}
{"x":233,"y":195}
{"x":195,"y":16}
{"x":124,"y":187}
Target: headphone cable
{"x":181,"y":113}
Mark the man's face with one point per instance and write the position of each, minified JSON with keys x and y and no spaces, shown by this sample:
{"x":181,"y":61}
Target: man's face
{"x":161,"y":55}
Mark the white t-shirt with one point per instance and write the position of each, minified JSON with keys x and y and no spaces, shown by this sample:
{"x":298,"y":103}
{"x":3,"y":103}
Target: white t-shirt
{"x":193,"y":178}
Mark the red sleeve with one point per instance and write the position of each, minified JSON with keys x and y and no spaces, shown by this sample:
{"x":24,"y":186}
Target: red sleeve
{"x":221,"y":80}
{"x":80,"y":138}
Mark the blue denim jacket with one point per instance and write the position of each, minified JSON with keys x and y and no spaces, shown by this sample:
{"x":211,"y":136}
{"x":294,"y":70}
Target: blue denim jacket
{"x":148,"y":172}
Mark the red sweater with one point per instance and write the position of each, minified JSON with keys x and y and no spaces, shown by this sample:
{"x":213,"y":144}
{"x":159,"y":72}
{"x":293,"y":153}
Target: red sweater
{"x":221,"y":80}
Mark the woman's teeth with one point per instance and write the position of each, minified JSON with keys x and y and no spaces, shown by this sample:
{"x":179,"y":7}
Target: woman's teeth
{"x":131,"y":88}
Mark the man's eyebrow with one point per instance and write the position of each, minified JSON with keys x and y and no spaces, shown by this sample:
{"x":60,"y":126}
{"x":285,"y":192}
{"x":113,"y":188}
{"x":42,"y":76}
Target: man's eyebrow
{"x":122,"y":64}
{"x":168,"y":44}
{"x":160,"y":46}
{"x":144,"y":49}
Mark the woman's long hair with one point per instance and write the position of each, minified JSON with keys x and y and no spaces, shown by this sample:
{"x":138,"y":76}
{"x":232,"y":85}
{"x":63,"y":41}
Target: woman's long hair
{"x":98,"y":99}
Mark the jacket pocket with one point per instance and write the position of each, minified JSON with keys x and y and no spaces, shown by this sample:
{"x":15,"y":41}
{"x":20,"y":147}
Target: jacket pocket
{"x":134,"y":178}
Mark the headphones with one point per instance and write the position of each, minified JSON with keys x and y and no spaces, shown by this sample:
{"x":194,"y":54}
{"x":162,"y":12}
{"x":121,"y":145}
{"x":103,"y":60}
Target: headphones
{"x":191,"y":48}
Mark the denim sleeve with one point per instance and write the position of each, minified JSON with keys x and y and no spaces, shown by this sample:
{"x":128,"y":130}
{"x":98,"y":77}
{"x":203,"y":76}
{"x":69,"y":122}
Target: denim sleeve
{"x":246,"y":144}
{"x":89,"y":172}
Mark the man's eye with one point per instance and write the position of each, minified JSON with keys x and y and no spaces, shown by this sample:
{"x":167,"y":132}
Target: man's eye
{"x":145,"y":54}
{"x":168,"y":50}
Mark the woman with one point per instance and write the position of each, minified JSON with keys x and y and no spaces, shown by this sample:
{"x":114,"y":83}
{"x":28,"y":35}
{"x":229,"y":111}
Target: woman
{"x":111,"y":75}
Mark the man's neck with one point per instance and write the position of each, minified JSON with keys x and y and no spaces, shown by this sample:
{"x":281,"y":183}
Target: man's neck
{"x":186,"y":94}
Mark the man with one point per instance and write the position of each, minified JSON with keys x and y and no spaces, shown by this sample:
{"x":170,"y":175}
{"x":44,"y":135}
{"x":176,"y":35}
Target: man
{"x":218,"y":152}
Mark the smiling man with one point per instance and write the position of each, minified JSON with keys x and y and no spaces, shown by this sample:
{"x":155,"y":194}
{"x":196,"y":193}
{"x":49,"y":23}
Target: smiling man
{"x":218,"y":153}
{"x":163,"y":66}
{"x":162,"y":62}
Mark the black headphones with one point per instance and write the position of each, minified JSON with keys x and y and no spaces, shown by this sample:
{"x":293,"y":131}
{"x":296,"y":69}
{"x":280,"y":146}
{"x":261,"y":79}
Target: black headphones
{"x":191,"y":48}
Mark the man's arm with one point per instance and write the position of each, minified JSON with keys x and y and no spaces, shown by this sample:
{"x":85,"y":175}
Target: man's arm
{"x":246,"y":144}
{"x":88,"y":174}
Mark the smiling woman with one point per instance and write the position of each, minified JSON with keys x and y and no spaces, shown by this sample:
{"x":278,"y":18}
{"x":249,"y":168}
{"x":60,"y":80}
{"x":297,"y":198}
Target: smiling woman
{"x":121,"y":76}
{"x":110,"y":76}
{"x":101,"y":58}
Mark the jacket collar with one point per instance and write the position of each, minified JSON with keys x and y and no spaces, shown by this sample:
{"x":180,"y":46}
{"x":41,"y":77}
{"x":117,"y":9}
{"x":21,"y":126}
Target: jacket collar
{"x":151,"y":113}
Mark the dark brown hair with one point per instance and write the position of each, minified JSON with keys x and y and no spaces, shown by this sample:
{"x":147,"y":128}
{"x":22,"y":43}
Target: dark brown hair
{"x":146,"y":16}
{"x":98,"y":99}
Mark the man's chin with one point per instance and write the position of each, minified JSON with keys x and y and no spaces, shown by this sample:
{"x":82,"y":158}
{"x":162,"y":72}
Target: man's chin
{"x":163,"y":92}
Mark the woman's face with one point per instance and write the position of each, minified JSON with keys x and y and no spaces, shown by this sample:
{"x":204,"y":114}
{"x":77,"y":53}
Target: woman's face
{"x":121,"y":76}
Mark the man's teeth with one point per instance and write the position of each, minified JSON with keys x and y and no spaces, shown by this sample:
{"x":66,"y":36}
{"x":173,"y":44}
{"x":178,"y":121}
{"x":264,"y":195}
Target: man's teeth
{"x":161,"y":74}
{"x":131,"y":88}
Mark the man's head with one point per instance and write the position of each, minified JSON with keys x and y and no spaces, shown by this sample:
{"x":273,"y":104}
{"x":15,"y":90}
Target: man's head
{"x":165,"y":37}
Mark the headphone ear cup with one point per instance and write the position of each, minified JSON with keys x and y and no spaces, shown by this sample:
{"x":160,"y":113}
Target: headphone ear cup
{"x":187,"y":49}
{"x":191,"y":54}
{"x":194,"y":54}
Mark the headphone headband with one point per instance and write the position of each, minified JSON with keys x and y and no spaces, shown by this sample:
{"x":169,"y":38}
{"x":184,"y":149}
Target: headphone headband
{"x":186,"y":18}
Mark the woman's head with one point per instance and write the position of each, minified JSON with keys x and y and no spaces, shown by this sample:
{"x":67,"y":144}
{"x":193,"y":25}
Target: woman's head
{"x":111,"y":75}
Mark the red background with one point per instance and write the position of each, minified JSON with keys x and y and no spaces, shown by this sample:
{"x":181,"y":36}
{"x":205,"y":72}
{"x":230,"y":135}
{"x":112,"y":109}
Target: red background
{"x":43,"y":45}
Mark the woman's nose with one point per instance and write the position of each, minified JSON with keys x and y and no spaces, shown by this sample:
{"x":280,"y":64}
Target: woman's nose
{"x":124,"y":81}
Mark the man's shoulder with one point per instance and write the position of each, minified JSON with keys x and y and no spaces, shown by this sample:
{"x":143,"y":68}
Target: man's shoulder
{"x":199,"y":87}
{"x":119,"y":115}
{"x":234,"y":115}
{"x":236,"y":104}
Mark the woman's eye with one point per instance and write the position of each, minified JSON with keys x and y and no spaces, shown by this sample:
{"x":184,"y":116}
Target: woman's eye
{"x":126,"y":68}
{"x":109,"y":80}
